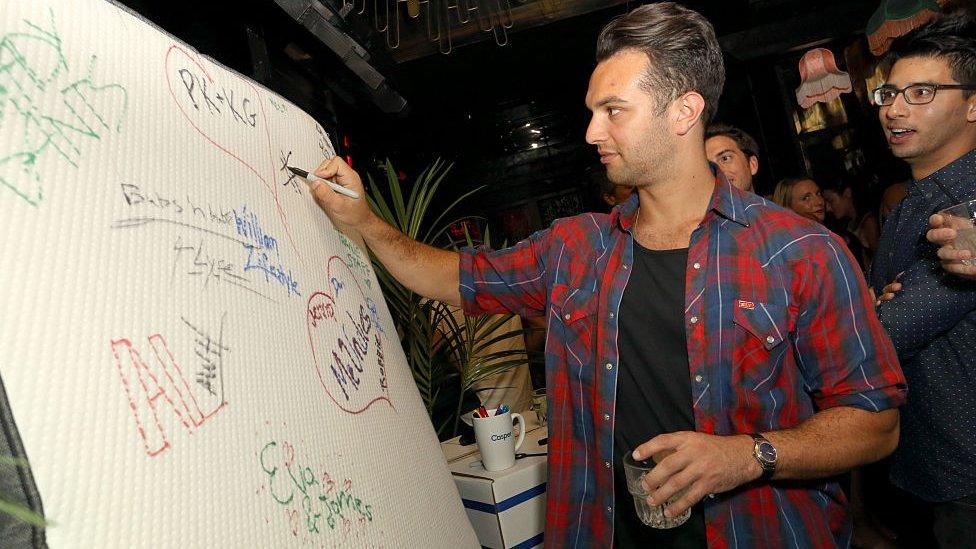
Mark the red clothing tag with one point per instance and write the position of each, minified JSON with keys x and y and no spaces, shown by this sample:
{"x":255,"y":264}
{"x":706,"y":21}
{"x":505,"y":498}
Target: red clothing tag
{"x":746,"y":304}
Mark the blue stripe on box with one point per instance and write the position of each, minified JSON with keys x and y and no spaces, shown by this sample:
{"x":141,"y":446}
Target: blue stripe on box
{"x":531,"y":542}
{"x":505,"y":504}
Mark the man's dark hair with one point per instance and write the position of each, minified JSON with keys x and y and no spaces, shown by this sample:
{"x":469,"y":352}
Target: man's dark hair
{"x":744,"y":141}
{"x":683,"y":53}
{"x":951,"y":37}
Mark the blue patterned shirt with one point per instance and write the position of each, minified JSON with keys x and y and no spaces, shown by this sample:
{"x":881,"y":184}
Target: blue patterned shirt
{"x":932,"y":322}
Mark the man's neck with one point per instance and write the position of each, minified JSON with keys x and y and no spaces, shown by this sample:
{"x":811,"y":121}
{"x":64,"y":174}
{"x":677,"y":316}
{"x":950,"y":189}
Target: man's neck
{"x":672,"y":207}
{"x":928,"y":165}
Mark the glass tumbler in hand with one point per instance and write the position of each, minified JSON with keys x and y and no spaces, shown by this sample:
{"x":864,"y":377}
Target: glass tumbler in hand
{"x":651,"y":515}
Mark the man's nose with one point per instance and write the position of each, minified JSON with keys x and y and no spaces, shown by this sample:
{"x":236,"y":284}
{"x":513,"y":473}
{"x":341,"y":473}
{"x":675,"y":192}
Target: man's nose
{"x":898,"y":108}
{"x":594,"y":132}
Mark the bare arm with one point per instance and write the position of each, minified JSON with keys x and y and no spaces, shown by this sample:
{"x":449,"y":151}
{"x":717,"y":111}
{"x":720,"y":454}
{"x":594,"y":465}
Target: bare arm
{"x":829,"y":443}
{"x":429,"y":271}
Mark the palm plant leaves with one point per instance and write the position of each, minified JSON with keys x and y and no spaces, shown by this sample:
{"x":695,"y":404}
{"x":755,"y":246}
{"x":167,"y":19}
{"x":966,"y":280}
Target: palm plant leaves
{"x":440,"y":349}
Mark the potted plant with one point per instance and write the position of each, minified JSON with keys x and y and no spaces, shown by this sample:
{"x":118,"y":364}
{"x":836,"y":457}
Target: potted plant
{"x":447,"y":355}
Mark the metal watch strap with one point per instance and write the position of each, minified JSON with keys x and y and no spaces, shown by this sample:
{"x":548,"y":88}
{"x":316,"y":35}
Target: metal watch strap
{"x":767,"y":469}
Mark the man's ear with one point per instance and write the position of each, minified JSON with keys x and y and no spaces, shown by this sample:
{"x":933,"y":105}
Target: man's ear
{"x":686,"y":112}
{"x":753,"y":165}
{"x":971,"y":109}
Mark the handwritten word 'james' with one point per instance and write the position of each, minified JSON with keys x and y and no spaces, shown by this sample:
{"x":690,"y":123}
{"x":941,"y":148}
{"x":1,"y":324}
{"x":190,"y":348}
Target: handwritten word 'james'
{"x":312,"y":502}
{"x":48,"y":110}
{"x":217,"y":101}
{"x":156,"y":387}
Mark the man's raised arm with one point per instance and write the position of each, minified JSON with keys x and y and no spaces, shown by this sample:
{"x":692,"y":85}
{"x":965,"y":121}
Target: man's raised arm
{"x":427,"y":270}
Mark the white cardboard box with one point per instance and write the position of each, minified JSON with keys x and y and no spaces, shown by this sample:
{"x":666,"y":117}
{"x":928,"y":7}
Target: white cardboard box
{"x":506,"y":508}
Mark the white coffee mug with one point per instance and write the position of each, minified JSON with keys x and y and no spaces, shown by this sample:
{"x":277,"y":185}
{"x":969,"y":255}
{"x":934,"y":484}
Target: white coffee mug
{"x":496,"y":439}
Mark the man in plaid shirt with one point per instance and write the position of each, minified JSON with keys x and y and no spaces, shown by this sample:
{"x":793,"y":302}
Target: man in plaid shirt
{"x":705,"y":326}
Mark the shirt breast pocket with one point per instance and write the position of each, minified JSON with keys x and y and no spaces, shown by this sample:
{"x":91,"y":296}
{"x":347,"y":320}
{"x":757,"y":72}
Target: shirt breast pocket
{"x":574,"y":316}
{"x":760,"y":341}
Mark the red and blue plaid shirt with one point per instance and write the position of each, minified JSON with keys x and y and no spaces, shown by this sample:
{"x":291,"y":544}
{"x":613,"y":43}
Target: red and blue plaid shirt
{"x":779,"y":325}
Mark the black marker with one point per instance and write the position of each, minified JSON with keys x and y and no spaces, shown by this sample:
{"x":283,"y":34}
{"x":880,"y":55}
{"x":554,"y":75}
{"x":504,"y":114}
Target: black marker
{"x":335,"y":186}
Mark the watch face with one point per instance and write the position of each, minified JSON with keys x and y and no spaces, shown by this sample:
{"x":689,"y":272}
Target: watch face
{"x":767,"y":452}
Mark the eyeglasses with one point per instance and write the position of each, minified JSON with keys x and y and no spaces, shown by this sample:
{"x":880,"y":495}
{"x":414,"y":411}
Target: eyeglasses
{"x":916,"y":94}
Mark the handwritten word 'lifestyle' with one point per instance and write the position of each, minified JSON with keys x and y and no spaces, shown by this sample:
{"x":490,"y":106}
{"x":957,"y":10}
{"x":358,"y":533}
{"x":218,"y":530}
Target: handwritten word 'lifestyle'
{"x":263,"y":253}
{"x":273,"y":272}
{"x":49,"y":110}
{"x":154,"y":388}
{"x":316,"y":499}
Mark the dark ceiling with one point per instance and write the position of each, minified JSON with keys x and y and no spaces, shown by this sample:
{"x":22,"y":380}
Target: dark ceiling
{"x":509,"y":116}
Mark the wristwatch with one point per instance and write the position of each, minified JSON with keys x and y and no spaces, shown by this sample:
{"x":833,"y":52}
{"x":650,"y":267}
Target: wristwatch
{"x":765,"y":454}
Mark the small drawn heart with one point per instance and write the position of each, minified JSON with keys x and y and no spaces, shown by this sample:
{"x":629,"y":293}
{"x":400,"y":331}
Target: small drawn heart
{"x":348,"y":342}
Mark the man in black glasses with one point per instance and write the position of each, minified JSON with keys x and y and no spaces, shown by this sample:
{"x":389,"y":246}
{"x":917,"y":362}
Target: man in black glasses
{"x":927,"y":108}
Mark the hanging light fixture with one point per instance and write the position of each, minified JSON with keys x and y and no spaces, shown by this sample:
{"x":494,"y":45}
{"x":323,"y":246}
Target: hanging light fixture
{"x":893,"y":18}
{"x":440,"y":18}
{"x":820,"y":79}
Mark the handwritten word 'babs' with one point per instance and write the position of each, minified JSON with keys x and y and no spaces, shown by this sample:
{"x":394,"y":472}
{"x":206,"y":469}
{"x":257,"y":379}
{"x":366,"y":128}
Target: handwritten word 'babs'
{"x":135,"y":195}
{"x":49,"y":110}
{"x":316,"y":500}
{"x":158,"y":386}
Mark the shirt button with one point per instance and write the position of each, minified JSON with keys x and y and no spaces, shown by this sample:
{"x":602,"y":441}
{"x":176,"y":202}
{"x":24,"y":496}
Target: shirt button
{"x":609,"y":366}
{"x":698,"y":378}
{"x":694,"y":320}
{"x":606,"y":464}
{"x":606,"y":417}
{"x":770,"y":339}
{"x":611,"y":315}
{"x":566,"y":316}
{"x":711,"y":496}
{"x":609,"y":509}
{"x":625,"y":268}
{"x":697,"y":266}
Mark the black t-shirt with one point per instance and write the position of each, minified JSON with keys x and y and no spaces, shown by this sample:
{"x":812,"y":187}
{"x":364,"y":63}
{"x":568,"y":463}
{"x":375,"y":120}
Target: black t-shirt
{"x":653,"y":385}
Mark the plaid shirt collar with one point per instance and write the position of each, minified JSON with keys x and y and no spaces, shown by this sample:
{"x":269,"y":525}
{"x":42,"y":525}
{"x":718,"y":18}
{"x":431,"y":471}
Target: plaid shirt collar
{"x":725,"y":203}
